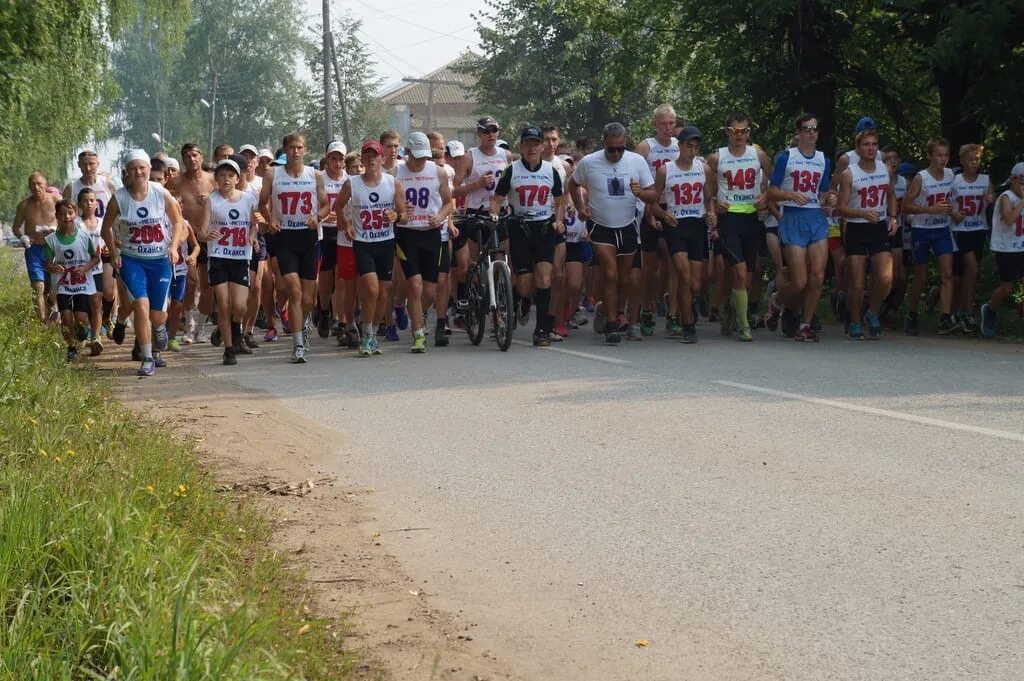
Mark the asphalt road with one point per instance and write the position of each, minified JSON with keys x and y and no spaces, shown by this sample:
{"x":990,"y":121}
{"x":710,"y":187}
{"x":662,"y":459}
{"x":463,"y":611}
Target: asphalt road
{"x":771,"y":510}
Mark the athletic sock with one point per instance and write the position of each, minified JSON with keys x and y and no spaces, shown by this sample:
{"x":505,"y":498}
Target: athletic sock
{"x":297,"y":338}
{"x":368,"y":330}
{"x":147,"y":350}
{"x":419,"y":333}
{"x":739,"y":303}
{"x":543,"y":296}
{"x":236,"y":334}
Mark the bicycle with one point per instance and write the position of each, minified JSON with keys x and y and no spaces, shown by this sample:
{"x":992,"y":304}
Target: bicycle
{"x":489,"y":283}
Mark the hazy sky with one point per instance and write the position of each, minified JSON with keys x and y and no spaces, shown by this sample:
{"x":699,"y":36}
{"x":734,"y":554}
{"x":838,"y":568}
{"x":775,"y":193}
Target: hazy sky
{"x":409,"y":38}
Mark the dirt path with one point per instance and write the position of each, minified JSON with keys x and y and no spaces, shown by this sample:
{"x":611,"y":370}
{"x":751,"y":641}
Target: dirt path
{"x":324,"y":526}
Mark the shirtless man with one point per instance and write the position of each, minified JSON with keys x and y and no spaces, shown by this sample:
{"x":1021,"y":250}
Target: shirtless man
{"x":192,"y":187}
{"x":34,"y":220}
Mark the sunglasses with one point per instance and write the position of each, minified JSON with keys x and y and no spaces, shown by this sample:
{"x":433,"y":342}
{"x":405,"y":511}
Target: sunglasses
{"x":615,"y":150}
{"x":809,"y":128}
{"x":493,"y":129}
{"x":737,"y":131}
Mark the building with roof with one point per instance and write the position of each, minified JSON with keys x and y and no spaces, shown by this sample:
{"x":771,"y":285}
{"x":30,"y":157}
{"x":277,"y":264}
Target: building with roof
{"x":441,"y":100}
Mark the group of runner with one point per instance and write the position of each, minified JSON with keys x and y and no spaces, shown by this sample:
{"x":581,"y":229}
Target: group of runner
{"x":363,"y":245}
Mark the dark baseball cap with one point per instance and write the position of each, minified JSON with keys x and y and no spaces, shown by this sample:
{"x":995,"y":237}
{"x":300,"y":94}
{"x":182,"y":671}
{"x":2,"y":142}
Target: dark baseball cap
{"x":865,"y":123}
{"x":689,"y":132}
{"x":531,"y":133}
{"x":487,"y":122}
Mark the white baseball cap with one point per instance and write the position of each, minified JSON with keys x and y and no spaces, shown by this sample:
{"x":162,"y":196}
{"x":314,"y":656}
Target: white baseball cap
{"x":455,"y":149}
{"x":265,"y":153}
{"x":418,"y":145}
{"x":336,"y":146}
{"x":1016,"y":171}
{"x":171,"y":162}
{"x":228,"y":163}
{"x":248,"y":147}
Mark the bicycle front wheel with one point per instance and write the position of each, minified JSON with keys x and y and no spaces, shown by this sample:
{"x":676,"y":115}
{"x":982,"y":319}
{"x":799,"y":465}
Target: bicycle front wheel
{"x":504,"y":311}
{"x":476,"y":315}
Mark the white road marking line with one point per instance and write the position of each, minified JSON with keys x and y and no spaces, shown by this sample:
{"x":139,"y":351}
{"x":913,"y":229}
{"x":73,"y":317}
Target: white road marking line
{"x":900,"y":416}
{"x":577,"y":353}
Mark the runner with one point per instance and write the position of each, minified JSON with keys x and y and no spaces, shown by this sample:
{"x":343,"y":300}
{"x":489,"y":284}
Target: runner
{"x":369,"y":205}
{"x":442,"y":292}
{"x":455,"y":155}
{"x":192,"y":188}
{"x":800,"y":187}
{"x":928,"y":205}
{"x":740,"y":196}
{"x":143,"y":250}
{"x":294,"y":200}
{"x":549,"y":153}
{"x":1008,"y":246}
{"x":34,"y":220}
{"x":577,"y":253}
{"x":867,"y":200}
{"x":533,"y":189}
{"x":686,"y":186}
{"x":102,"y":187}
{"x":893,"y":161}
{"x":972,"y":195}
{"x":71,"y":256}
{"x":614,"y":179}
{"x":347,"y":272}
{"x":90,"y":223}
{"x":658,"y":277}
{"x":334,"y":178}
{"x":221,"y":152}
{"x":390,"y":141}
{"x":229,"y":228}
{"x":418,"y":239}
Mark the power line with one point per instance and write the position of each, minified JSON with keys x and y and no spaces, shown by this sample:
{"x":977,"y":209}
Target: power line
{"x":410,"y":23}
{"x":391,"y":52}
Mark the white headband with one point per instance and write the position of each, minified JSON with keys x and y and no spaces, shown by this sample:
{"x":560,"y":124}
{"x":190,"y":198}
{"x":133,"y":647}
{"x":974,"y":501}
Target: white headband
{"x":136,"y":155}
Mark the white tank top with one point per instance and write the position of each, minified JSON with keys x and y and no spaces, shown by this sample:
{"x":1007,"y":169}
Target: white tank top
{"x":367,"y":205}
{"x":737,"y":179}
{"x":233,"y":220}
{"x":969,"y":198}
{"x":868,"y":190}
{"x":574,"y":227}
{"x":332,"y":188}
{"x":99,"y":188}
{"x":660,"y":154}
{"x":530,"y":191}
{"x":143,"y":226}
{"x":684,"y":190}
{"x":294,"y":198}
{"x":97,"y":241}
{"x":932,"y":192}
{"x":803,"y":176}
{"x":422,"y":194}
{"x":480,"y":199}
{"x":1007,"y":238}
{"x":900,"y":189}
{"x":72,"y":255}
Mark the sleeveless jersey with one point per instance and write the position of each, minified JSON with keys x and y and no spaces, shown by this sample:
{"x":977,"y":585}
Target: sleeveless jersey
{"x":367,"y":205}
{"x":738,"y":179}
{"x":422,"y":194}
{"x":233,"y":220}
{"x":868,"y":190}
{"x":1007,"y":238}
{"x":574,"y":227}
{"x":932,"y":192}
{"x":803,"y":176}
{"x":480,"y":199}
{"x":294,"y":199}
{"x":684,"y":190}
{"x":333,"y":188}
{"x":77,"y":253}
{"x":660,"y":154}
{"x":969,"y":198}
{"x":451,"y":188}
{"x":99,"y":188}
{"x":97,"y":242}
{"x":530,"y":191}
{"x":142,"y":226}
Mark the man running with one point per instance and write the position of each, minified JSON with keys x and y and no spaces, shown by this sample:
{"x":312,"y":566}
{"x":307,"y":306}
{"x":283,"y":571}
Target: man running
{"x":144,"y":251}
{"x":34,"y":219}
{"x":533,"y":189}
{"x":294,"y":199}
{"x":972,"y":194}
{"x":1008,"y":246}
{"x":614,"y":179}
{"x":334,"y":178}
{"x":449,"y":231}
{"x":740,"y":195}
{"x":549,"y":153}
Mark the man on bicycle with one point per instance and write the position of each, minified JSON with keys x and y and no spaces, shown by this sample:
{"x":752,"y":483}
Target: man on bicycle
{"x":534,"y":191}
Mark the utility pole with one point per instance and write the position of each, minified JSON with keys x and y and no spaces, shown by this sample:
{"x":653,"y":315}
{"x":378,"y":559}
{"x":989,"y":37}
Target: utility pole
{"x":431,"y":82}
{"x":328,"y":103}
{"x":342,"y":100}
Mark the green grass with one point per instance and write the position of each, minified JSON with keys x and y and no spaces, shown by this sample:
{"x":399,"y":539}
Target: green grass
{"x":118,"y":560}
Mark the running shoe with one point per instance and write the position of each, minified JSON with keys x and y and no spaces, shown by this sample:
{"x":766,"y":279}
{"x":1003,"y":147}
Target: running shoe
{"x":108,"y":324}
{"x":540,"y":340}
{"x":419,"y":345}
{"x":148,"y":367}
{"x":600,"y":320}
{"x":947,"y":325}
{"x":229,"y":357}
{"x":726,"y":320}
{"x":215,"y":338}
{"x":805,"y":334}
{"x":366,"y":346}
{"x":391,"y":333}
{"x":271,"y":335}
{"x":96,"y":347}
{"x":188,"y":339}
{"x":441,"y":340}
{"x":588,"y":305}
{"x":323,"y":325}
{"x":250,"y":341}
{"x":789,"y":323}
{"x":375,"y":346}
{"x":137,"y":353}
{"x":242,"y":349}
{"x":689,"y":334}
{"x":970,"y":324}
{"x":856,"y":332}
{"x":874,"y":326}
{"x":646,"y":323}
{"x":771,"y":319}
{"x":118,"y":335}
{"x":910,"y":324}
{"x":988,"y":321}
{"x":173,"y":345}
{"x":675,"y":329}
{"x":72,"y":354}
{"x":198,"y":335}
{"x":353,"y":338}
{"x":562,"y":329}
{"x":579,"y":318}
{"x":744,"y":335}
{"x":401,"y":317}
{"x":299,"y":355}
{"x":82,"y":333}
{"x":635,"y":332}
{"x":612,"y":337}
{"x":555,"y":337}
{"x":159,"y":361}
{"x":523,"y":311}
